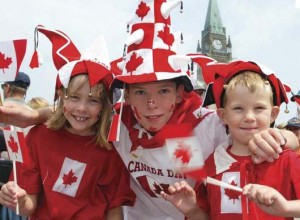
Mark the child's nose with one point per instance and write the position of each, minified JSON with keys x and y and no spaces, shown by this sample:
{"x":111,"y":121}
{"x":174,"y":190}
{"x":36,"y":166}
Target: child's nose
{"x":250,"y":115}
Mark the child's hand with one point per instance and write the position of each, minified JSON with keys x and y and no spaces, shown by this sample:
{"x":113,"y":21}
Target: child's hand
{"x":9,"y":195}
{"x":266,"y":145}
{"x":267,"y":198}
{"x":182,"y":196}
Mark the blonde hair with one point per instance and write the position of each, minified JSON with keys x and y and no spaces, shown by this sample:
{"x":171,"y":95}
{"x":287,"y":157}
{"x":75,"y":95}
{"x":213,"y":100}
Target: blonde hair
{"x":58,"y":120}
{"x":37,"y":102}
{"x":250,"y":80}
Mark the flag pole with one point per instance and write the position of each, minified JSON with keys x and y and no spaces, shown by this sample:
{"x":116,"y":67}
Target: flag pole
{"x":16,"y":185}
{"x":223,"y":184}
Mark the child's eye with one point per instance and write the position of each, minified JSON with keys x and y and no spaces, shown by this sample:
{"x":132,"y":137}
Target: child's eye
{"x":95,"y":101}
{"x":238,"y":108}
{"x":73,"y":97}
{"x":140,"y":92}
{"x":164,"y":91}
{"x":260,"y":108}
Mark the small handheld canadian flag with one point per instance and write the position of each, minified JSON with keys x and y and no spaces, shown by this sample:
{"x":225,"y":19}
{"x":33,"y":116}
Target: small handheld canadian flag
{"x":16,"y":145}
{"x":187,"y":156}
{"x":11,"y":56}
{"x":17,"y":150}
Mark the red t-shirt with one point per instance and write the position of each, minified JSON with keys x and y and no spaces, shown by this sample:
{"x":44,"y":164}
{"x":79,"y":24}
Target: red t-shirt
{"x":73,"y":177}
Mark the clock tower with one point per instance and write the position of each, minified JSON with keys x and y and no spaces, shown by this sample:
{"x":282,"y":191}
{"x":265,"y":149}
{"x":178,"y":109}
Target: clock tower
{"x":214,"y":42}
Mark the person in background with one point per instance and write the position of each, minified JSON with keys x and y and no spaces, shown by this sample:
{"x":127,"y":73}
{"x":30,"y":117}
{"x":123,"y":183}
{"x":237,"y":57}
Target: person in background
{"x":293,"y":125}
{"x":37,"y":102}
{"x":14,"y":92}
{"x":233,"y":165}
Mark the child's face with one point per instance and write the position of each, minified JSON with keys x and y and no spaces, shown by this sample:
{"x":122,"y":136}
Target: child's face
{"x":82,"y":111}
{"x":247,"y":113}
{"x":153,"y":103}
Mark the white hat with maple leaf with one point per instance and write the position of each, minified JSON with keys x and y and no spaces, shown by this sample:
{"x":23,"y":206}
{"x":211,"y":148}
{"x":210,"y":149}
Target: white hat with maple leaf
{"x":151,"y":48}
{"x":70,"y":62}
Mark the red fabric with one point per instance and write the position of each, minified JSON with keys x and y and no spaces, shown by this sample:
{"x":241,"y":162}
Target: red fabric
{"x":181,"y":123}
{"x":63,"y":49}
{"x":20,"y":48}
{"x":34,"y":62}
{"x":283,"y":175}
{"x":104,"y":184}
{"x":220,"y":73}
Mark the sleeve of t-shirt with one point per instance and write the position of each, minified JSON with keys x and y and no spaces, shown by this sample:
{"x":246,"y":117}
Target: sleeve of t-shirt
{"x":116,"y":187}
{"x":211,"y":132}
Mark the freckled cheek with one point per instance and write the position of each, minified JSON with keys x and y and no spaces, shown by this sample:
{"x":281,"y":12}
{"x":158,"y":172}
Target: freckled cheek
{"x":136,"y":112}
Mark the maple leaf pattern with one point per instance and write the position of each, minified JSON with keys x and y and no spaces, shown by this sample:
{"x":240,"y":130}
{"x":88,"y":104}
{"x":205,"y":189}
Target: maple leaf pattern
{"x":160,"y":187}
{"x":69,"y":178}
{"x":142,"y":10}
{"x":232,"y":194}
{"x":166,"y":36}
{"x":134,"y":62}
{"x":184,"y":152}
{"x":4,"y":62}
{"x":13,"y":145}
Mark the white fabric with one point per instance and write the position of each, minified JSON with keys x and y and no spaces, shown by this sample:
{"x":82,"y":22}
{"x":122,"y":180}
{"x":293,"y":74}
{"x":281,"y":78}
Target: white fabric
{"x":155,"y":165}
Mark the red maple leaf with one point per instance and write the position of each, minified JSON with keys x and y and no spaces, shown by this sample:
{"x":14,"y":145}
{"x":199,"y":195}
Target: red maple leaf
{"x":232,"y":194}
{"x":142,"y":10}
{"x":166,"y":36}
{"x":134,"y":62}
{"x":69,"y":178}
{"x":4,"y":62}
{"x":184,"y":152}
{"x":13,"y":145}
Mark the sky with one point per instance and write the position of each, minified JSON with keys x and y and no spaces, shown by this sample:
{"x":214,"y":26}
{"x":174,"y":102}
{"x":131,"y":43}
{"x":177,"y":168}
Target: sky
{"x":263,"y":31}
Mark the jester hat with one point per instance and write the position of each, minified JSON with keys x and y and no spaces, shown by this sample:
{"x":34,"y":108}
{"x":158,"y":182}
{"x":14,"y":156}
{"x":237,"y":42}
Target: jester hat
{"x":219,"y":74}
{"x":70,"y":62}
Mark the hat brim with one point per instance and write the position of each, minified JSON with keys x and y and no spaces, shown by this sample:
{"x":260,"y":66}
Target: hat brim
{"x":119,"y":81}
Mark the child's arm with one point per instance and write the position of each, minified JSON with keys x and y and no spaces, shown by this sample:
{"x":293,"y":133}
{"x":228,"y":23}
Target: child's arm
{"x":267,"y":144}
{"x":115,"y":214}
{"x":9,"y":197}
{"x":271,"y":201}
{"x":183,"y":197}
{"x":22,"y":116}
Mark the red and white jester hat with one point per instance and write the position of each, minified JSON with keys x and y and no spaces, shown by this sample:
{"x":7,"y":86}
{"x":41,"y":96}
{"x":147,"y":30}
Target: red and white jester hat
{"x":150,"y":47}
{"x":219,"y":74}
{"x":70,"y":62}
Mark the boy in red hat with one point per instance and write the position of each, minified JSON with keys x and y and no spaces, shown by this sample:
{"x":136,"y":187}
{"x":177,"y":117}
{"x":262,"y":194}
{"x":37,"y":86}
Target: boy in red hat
{"x":231,"y":162}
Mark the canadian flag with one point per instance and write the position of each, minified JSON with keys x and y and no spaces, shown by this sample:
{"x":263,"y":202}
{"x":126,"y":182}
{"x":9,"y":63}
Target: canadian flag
{"x":11,"y":57}
{"x":70,"y":177}
{"x":16,"y":145}
{"x":187,"y":157}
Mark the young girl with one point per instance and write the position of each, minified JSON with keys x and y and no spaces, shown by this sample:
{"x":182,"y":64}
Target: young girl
{"x":233,"y":164}
{"x":74,"y":172}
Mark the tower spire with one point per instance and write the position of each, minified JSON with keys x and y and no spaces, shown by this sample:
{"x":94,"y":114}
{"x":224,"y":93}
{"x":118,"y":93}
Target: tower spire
{"x":213,"y":22}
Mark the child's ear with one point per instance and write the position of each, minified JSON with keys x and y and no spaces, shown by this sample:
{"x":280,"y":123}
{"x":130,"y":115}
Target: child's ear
{"x":60,"y":94}
{"x":179,"y":91}
{"x":126,"y":97}
{"x":274,"y":113}
{"x":222,"y":115}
